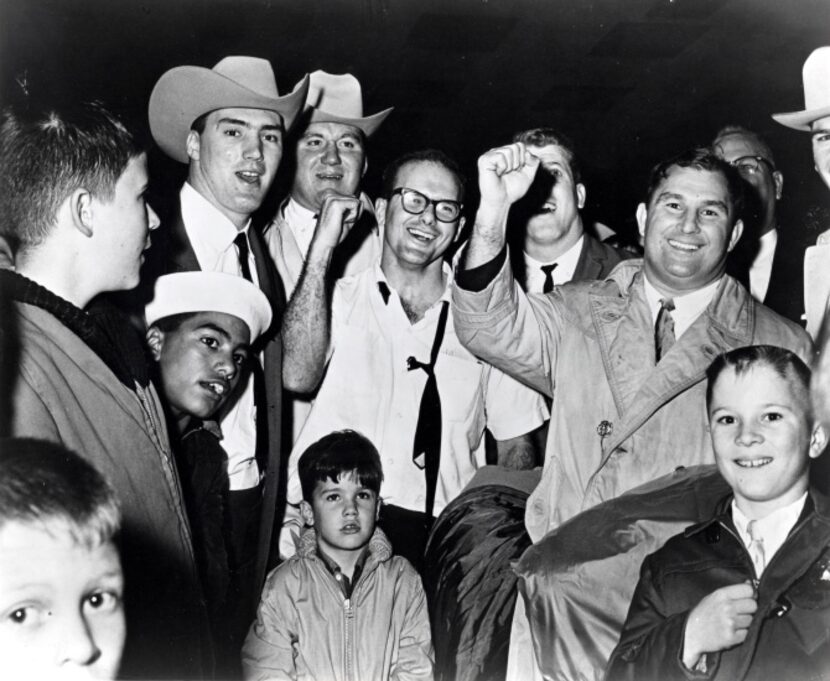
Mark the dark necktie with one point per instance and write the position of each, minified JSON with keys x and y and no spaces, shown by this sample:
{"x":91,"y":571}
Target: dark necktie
{"x":547,"y":270}
{"x":241,"y":242}
{"x":426,"y":451}
{"x":664,"y":328}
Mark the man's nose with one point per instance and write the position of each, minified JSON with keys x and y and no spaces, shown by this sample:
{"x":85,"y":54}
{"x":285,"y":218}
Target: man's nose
{"x":77,"y":644}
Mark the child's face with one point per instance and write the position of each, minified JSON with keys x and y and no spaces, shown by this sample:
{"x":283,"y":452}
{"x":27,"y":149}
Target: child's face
{"x":60,"y":603}
{"x":343,"y":513}
{"x":200,"y":362}
{"x":762,"y":438}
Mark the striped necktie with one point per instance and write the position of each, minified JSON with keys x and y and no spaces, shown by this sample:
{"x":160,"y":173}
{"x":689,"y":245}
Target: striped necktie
{"x":664,"y":329}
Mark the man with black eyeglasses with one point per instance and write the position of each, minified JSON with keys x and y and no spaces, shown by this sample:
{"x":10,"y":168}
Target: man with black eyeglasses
{"x":767,"y":260}
{"x":394,"y":369}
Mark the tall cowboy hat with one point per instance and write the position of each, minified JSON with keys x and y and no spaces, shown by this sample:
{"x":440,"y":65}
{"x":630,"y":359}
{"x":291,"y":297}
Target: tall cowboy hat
{"x":338,"y":99}
{"x":186,"y":92}
{"x":816,"y":76}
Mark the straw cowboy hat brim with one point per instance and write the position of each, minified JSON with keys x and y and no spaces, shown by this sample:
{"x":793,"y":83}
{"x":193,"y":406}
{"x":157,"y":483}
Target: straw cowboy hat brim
{"x":815,"y":76}
{"x":186,"y":92}
{"x":801,"y":120}
{"x":368,"y":124}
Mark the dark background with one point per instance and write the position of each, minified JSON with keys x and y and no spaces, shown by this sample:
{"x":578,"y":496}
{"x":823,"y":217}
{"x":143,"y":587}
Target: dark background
{"x":632,"y":81}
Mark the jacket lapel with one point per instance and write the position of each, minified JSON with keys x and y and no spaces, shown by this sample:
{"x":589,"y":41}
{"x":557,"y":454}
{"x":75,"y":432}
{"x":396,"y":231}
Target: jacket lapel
{"x":591,"y":259}
{"x":728,"y":322}
{"x":180,"y":254}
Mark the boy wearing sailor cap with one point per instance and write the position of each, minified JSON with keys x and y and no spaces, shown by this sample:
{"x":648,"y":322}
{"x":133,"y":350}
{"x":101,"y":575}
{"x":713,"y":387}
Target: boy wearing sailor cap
{"x":201,"y":326}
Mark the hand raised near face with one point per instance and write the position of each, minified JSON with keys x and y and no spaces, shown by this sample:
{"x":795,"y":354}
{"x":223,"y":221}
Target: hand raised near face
{"x":506,"y":173}
{"x":721,"y":620}
{"x":338,"y":214}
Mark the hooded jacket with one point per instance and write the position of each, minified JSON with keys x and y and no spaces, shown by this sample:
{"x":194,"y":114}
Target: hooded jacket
{"x":307,"y":629}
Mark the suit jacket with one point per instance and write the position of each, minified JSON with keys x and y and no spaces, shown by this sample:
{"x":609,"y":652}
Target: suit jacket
{"x":785,"y":294}
{"x":180,"y":257}
{"x":596,"y":260}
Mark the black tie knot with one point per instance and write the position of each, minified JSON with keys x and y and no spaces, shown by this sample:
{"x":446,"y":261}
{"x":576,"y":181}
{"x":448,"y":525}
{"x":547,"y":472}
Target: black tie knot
{"x":547,"y":270}
{"x":412,"y":364}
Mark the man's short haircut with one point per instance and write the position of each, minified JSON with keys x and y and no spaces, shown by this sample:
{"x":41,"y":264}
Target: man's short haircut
{"x":784,"y":363}
{"x":727,"y":130}
{"x":542,"y":137}
{"x":342,"y":452}
{"x":704,"y":159}
{"x":46,"y":153}
{"x":42,"y":483}
{"x":390,"y":173}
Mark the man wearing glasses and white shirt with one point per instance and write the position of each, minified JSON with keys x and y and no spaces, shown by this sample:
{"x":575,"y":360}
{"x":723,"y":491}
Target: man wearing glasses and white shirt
{"x":768,"y":260}
{"x":394,"y":369}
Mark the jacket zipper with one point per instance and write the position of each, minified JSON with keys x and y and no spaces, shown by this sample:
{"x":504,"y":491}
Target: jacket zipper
{"x":348,"y":614}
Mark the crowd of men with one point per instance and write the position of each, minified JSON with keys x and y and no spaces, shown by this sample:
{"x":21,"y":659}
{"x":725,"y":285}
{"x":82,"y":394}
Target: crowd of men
{"x":540,"y":347}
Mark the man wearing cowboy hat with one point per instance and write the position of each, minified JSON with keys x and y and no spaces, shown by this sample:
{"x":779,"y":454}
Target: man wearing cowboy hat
{"x":815,"y":119}
{"x":228,"y":123}
{"x":330,"y":157}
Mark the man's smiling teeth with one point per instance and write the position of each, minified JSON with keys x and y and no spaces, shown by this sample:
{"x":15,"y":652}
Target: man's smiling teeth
{"x":218,"y":388}
{"x":421,"y":236}
{"x":753,"y":463}
{"x":683,"y":246}
{"x":248,"y":175}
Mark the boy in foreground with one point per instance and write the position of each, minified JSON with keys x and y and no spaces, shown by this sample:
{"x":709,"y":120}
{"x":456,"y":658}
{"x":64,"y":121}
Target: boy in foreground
{"x":343,"y":607}
{"x":201,"y":328}
{"x":61,"y":583}
{"x":745,"y":595}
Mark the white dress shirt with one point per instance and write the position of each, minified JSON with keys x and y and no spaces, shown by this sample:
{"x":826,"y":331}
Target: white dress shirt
{"x":302,"y":223}
{"x":687,"y":307}
{"x":212,"y":234}
{"x":761,"y":269}
{"x":562,"y":273}
{"x":368,"y":388}
{"x":773,"y":528}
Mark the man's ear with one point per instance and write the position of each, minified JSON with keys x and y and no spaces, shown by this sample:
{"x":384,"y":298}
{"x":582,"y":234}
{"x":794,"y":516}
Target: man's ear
{"x":581,"y":193}
{"x":365,"y":166}
{"x":81,"y":210}
{"x":194,"y":145}
{"x":778,"y":180}
{"x":461,"y":221}
{"x":155,"y":341}
{"x":737,"y":230}
{"x":642,"y":217}
{"x":818,"y":441}
{"x":380,"y":215}
{"x":307,"y":513}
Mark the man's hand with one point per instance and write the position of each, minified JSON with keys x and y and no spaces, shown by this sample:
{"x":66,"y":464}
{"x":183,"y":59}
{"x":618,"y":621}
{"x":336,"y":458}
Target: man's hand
{"x":338,"y":215}
{"x":505,"y":174}
{"x":721,"y":620}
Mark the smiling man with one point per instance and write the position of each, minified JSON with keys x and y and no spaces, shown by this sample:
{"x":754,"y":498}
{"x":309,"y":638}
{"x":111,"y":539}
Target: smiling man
{"x":329,"y":157}
{"x":394,"y":369}
{"x":228,"y":124}
{"x":625,"y":356}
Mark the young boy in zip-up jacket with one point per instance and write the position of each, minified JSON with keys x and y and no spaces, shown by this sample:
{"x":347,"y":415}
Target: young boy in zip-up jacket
{"x":343,"y":608}
{"x":745,"y":595}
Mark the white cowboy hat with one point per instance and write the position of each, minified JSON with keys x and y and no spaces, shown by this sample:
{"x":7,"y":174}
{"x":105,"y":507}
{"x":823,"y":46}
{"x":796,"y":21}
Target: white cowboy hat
{"x":338,"y":99}
{"x":816,"y":76}
{"x":184,"y":93}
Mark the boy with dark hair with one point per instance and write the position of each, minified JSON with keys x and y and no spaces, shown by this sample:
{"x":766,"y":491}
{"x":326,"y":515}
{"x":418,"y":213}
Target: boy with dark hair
{"x":61,"y":584}
{"x":343,"y":607}
{"x":201,"y":329}
{"x":73,"y":184}
{"x":745,"y":595}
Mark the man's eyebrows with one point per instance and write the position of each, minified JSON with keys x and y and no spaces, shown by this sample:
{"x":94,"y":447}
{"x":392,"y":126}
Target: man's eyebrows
{"x":246,"y":124}
{"x":820,"y":131}
{"x":214,"y":327}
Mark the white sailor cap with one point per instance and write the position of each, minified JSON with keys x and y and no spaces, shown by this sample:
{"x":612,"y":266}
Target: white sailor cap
{"x":185,"y":292}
